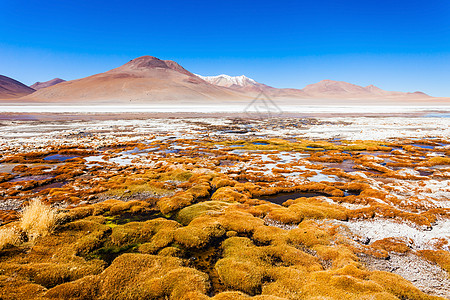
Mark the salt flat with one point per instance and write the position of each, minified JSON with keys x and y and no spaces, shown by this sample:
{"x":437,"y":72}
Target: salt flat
{"x":235,"y":107}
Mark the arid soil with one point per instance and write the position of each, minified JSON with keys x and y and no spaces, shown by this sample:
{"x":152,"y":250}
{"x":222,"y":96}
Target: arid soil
{"x":228,"y":208}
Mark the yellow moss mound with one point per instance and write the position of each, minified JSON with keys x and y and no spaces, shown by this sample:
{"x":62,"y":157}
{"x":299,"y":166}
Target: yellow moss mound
{"x":138,"y":276}
{"x":187,"y":214}
{"x":243,"y":265}
{"x":158,"y":233}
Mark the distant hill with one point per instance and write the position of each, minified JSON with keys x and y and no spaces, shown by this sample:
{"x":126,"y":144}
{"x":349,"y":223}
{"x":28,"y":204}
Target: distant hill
{"x":10,"y":88}
{"x":326,"y":89}
{"x":148,"y":79}
{"x":342,"y":89}
{"x":40,"y":85}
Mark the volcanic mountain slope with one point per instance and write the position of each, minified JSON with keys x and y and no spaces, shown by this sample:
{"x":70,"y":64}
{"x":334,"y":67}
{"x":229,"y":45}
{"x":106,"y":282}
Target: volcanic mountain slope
{"x":141,"y":80}
{"x":40,"y":85}
{"x":10,"y":88}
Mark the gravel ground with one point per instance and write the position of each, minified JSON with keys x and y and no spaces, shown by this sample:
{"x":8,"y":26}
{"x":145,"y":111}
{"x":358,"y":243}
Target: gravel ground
{"x":424,"y":275}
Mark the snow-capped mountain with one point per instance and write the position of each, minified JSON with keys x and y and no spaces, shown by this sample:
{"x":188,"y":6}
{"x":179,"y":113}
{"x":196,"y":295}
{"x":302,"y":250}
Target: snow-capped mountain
{"x":247,"y":85}
{"x":230,"y":81}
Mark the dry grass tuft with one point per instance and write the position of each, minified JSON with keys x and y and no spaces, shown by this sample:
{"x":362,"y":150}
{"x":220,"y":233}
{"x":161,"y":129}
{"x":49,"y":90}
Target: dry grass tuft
{"x":37,"y":220}
{"x":9,"y":237}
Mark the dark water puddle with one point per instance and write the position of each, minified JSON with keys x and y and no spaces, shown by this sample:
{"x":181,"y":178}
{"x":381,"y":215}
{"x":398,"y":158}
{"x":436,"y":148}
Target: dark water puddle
{"x":238,"y":131}
{"x":49,"y":186}
{"x":425,"y":173}
{"x":227,"y":163}
{"x":283,"y":197}
{"x":133,"y":151}
{"x":395,"y":148}
{"x":372,"y":171}
{"x":260,"y":143}
{"x":171,"y":151}
{"x":423,"y":146}
{"x":372,"y":153}
{"x":396,"y":168}
{"x":351,"y":193}
{"x":136,"y":150}
{"x":33,"y":177}
{"x":204,"y":260}
{"x":127,"y":217}
{"x":346,"y":165}
{"x":109,"y":253}
{"x":59,"y":157}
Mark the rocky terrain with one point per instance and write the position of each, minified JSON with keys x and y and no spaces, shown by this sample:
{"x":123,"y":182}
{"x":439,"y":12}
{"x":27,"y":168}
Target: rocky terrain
{"x":225,"y":208}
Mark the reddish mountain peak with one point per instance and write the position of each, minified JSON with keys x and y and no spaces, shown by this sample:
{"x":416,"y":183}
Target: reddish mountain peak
{"x":332,"y":82}
{"x":332,"y":86}
{"x":326,"y":81}
{"x":373,"y":88}
{"x":177,"y":67}
{"x":40,"y":85}
{"x":419,"y":93}
{"x":329,"y":81}
{"x":146,"y":62}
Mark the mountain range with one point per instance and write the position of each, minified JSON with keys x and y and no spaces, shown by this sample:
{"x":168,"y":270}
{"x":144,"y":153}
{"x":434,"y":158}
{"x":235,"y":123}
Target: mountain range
{"x":148,"y":79}
{"x":40,"y":85}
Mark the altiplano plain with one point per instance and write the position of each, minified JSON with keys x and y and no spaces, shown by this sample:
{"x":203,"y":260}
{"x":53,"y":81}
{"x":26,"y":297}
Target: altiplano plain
{"x":226,"y":207}
{"x":225,"y":150}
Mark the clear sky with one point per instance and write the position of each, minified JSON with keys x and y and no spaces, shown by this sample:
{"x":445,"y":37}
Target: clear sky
{"x":393,"y":44}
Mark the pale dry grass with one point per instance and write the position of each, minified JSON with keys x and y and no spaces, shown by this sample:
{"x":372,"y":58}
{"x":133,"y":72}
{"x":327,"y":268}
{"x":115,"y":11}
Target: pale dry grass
{"x":37,"y":220}
{"x":9,"y":237}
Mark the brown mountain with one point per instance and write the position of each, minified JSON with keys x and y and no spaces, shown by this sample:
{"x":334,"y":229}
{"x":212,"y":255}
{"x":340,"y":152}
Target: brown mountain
{"x":141,"y":80}
{"x":10,"y":88}
{"x":40,"y":85}
{"x":330,"y":89}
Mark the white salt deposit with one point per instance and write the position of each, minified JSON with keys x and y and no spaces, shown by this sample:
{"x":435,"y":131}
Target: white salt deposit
{"x":380,"y":228}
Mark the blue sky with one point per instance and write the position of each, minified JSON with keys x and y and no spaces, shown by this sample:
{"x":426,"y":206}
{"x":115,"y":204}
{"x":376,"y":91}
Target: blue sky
{"x":396,"y":45}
